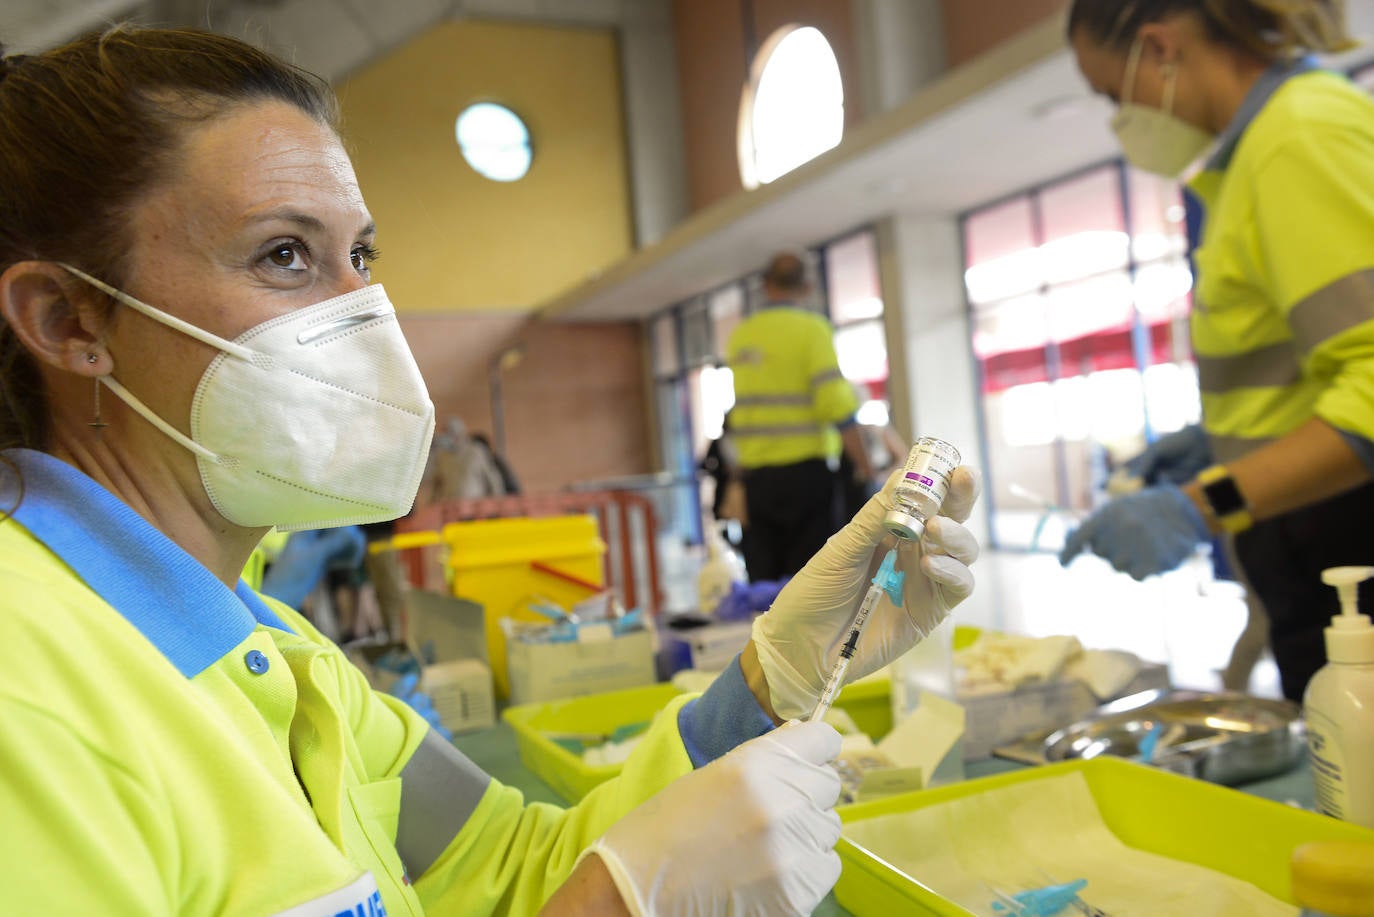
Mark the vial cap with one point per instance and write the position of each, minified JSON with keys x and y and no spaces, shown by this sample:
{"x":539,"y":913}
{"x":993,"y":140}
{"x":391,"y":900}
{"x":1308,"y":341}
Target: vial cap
{"x":1335,"y":877}
{"x":904,"y":525}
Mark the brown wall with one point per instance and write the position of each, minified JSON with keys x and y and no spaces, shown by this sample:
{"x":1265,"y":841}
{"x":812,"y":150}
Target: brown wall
{"x":713,"y":68}
{"x":975,"y":26}
{"x":574,"y":406}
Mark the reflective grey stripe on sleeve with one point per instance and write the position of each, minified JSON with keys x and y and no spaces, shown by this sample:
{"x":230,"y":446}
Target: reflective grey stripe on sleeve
{"x":823,"y":377}
{"x":1229,"y":448}
{"x":1274,"y":365}
{"x":803,"y":401}
{"x":440,"y":789}
{"x":780,"y":430}
{"x":1334,"y":308}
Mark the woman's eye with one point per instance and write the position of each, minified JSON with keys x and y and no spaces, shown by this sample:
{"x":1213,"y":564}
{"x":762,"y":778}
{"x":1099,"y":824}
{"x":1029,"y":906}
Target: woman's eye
{"x":362,"y":257}
{"x":288,"y":255}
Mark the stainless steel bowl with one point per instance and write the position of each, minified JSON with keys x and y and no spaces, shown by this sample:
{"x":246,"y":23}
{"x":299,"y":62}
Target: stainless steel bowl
{"x":1222,"y":738}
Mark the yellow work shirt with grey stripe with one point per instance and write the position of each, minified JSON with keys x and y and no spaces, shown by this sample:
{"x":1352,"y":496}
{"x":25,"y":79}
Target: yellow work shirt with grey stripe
{"x":789,"y":392}
{"x":1283,"y":317}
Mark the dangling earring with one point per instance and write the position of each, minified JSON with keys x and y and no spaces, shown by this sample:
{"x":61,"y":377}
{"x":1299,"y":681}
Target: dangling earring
{"x":97,"y":423}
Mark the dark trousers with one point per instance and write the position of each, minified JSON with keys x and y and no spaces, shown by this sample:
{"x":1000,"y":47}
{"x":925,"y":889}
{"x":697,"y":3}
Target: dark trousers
{"x":1284,"y":558}
{"x":793,"y":509}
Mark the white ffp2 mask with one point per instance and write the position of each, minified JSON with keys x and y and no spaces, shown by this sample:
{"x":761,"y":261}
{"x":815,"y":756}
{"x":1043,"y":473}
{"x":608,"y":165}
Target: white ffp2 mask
{"x":314,"y":419}
{"x":1155,"y":140}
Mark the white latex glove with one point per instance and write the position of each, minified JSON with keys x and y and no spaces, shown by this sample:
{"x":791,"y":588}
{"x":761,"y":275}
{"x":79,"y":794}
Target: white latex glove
{"x":799,"y":638}
{"x":753,"y":832}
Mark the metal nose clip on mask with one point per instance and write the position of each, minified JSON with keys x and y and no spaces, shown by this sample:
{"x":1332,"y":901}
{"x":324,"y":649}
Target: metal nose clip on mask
{"x":314,"y":419}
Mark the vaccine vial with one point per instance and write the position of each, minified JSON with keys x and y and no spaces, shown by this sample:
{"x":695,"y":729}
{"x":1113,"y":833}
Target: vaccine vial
{"x":924,"y":484}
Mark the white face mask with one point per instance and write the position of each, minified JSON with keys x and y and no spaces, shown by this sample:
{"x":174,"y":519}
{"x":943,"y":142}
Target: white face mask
{"x":1154,"y":140}
{"x":314,"y":419}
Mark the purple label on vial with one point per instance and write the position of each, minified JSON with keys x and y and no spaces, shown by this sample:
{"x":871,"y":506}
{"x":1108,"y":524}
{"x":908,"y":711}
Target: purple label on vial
{"x":913,"y":476}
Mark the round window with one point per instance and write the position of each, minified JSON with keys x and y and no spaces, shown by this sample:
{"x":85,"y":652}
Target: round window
{"x":494,"y":141}
{"x":793,"y":107}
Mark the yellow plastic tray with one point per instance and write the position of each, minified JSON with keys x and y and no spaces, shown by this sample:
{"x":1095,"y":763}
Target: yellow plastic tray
{"x":568,"y":775}
{"x":1222,"y":829}
{"x":869,"y":705}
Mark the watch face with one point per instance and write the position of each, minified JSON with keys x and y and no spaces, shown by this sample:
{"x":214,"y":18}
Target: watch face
{"x":1224,"y":497}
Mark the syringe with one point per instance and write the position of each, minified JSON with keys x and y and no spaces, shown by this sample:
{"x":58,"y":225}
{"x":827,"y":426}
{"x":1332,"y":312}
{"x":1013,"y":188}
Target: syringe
{"x":888,"y":580}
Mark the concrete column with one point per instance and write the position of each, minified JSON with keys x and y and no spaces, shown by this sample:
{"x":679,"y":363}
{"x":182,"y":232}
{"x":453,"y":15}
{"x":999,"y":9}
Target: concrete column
{"x":932,"y":380}
{"x":901,"y":48}
{"x":653,"y":119}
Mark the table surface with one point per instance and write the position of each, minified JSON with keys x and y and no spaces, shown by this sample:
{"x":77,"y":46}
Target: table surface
{"x":495,"y":751}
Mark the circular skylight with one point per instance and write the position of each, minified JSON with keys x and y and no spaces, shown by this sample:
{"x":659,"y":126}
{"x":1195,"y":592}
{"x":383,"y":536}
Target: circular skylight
{"x":793,"y":107}
{"x":494,"y":141}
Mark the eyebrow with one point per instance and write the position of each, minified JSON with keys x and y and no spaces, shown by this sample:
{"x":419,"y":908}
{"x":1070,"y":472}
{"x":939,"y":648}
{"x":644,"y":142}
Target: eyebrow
{"x":303,"y":219}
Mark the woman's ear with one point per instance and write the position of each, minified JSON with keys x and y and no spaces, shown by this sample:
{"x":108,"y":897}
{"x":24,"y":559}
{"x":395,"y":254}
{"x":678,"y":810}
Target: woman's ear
{"x":61,"y":324}
{"x":1161,"y":42}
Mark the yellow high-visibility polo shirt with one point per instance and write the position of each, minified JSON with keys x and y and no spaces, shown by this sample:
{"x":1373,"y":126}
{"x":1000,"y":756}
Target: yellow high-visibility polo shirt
{"x":789,"y":392}
{"x":1283,"y":316}
{"x":169,"y":746}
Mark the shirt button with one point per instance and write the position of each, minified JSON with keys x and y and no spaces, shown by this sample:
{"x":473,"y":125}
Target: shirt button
{"x":257,"y":663}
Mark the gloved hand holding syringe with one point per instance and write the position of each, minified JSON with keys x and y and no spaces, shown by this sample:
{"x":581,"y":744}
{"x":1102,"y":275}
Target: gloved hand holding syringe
{"x":808,"y":642}
{"x":887,"y":580}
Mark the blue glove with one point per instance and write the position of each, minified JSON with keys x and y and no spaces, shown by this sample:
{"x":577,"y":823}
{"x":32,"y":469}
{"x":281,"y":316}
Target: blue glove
{"x":307,"y":557}
{"x":405,"y":690}
{"x":1141,"y":533}
{"x":1173,"y":459}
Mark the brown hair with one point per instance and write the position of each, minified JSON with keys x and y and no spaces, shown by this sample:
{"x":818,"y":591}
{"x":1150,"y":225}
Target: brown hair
{"x":85,"y":130}
{"x":1267,"y":29}
{"x":786,"y":272}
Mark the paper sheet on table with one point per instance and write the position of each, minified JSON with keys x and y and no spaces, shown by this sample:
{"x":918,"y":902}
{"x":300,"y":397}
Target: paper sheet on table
{"x":1027,"y":835}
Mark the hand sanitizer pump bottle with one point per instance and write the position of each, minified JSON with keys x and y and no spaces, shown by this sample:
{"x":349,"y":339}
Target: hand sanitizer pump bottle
{"x":1339,"y":707}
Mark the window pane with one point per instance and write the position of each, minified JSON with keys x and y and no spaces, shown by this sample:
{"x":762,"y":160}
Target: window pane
{"x":1171,"y":396}
{"x":1084,"y":230}
{"x":1162,"y":290}
{"x":697,"y":339}
{"x":862,"y":351}
{"x":998,"y":231}
{"x":663,"y":332}
{"x":797,"y":109}
{"x":1103,"y":303}
{"x":851,"y":270}
{"x":727,"y":311}
{"x":712,"y":392}
{"x":1000,"y":249}
{"x":1157,"y":223}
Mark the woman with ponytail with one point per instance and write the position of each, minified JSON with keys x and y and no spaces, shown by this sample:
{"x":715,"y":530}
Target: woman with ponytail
{"x":1282,"y":323}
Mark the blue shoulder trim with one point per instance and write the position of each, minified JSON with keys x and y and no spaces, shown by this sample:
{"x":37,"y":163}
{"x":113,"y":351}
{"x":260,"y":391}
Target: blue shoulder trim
{"x":173,"y":600}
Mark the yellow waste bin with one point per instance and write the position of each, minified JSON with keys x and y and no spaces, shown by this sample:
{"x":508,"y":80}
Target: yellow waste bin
{"x":495,"y":562}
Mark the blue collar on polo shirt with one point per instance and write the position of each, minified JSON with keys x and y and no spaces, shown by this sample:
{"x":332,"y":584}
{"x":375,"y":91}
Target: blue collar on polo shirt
{"x":1254,"y":102}
{"x":173,"y":600}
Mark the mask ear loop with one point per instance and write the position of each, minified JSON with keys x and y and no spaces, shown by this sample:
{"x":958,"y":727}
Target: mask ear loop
{"x":171,"y":321}
{"x":1132,"y":64}
{"x":147,"y":414}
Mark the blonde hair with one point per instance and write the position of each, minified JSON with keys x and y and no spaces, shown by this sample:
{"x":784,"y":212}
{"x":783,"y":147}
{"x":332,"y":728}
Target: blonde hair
{"x":1269,"y":29}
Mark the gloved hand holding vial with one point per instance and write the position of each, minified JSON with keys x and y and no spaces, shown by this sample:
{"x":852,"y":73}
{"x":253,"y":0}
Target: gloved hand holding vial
{"x":800,"y":640}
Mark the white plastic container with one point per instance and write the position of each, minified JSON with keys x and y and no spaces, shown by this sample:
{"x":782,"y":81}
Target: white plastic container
{"x":1339,"y":707}
{"x":722,"y":570}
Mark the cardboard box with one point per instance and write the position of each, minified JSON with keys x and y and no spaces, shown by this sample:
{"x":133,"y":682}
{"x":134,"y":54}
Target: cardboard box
{"x":447,"y":636}
{"x":461,"y":690}
{"x":996,"y":719}
{"x":714,"y":646}
{"x":552,"y":671}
